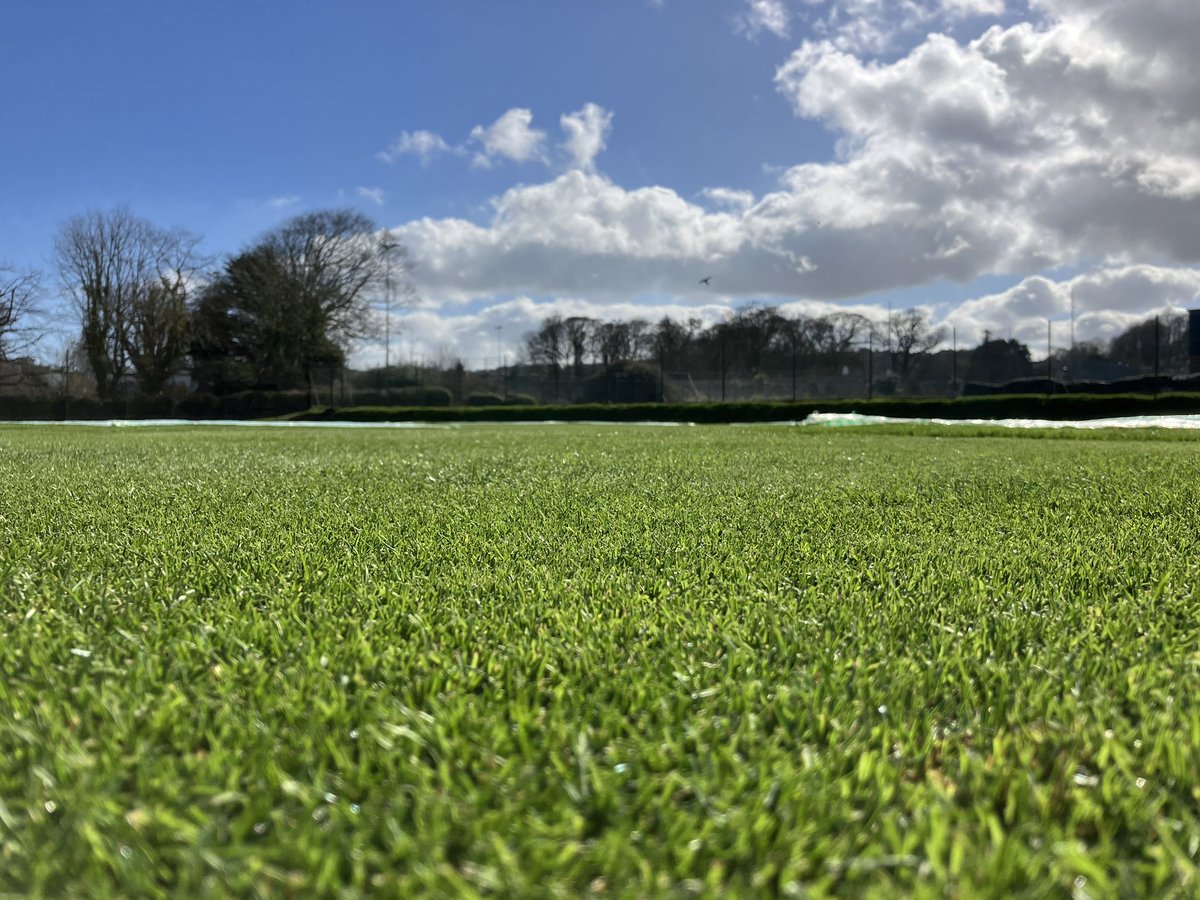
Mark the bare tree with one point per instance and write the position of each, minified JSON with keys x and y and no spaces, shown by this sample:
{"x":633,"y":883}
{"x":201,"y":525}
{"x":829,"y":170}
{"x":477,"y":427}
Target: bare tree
{"x":910,"y":336}
{"x":1164,"y":338}
{"x":159,"y":332}
{"x":835,"y":334}
{"x":19,"y":293}
{"x":128,"y":280}
{"x":300,"y":296}
{"x":549,"y":346}
{"x":621,"y":341}
{"x":672,"y":340}
{"x":578,"y":332}
{"x":333,"y":261}
{"x":752,"y":334}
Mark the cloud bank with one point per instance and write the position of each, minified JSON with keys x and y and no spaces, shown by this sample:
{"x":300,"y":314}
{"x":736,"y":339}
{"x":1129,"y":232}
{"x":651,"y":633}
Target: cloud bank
{"x":1068,"y":142}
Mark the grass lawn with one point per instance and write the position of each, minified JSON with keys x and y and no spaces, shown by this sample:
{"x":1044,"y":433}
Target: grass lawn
{"x":544,"y":661}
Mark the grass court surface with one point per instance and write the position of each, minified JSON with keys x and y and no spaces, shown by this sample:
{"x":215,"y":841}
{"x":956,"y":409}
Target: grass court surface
{"x":622,"y":660}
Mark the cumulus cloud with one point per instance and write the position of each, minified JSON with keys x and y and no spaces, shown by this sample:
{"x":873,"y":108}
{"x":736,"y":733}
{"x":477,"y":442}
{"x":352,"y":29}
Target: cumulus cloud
{"x":510,"y":137}
{"x":1104,"y":303}
{"x":581,"y":233}
{"x":763,"y":15}
{"x":961,"y":9}
{"x":876,"y":26}
{"x":578,"y":233}
{"x":587,"y":130}
{"x":1026,"y":149}
{"x":424,"y":145}
{"x":1036,"y":144}
{"x":729,"y":198}
{"x":1069,"y":141}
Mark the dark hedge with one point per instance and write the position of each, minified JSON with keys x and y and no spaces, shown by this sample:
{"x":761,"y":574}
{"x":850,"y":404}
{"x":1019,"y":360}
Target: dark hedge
{"x":519,"y":408}
{"x":1056,"y":407}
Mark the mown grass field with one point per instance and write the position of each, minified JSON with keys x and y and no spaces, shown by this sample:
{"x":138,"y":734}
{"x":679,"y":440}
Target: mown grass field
{"x":615,"y":660}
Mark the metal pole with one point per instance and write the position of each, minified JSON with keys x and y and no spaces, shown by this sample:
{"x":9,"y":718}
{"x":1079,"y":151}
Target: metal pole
{"x":793,"y":368}
{"x":722,"y":366}
{"x":500,"y":361}
{"x":888,"y":348}
{"x":1049,"y":361}
{"x":1156,"y":346}
{"x":1071,"y":356}
{"x":871,"y":364}
{"x":387,"y":245}
{"x":954,"y":358}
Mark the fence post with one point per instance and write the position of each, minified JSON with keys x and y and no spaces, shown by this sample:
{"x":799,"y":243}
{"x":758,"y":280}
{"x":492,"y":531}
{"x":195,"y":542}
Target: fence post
{"x":793,"y":368}
{"x":722,"y":367}
{"x":1156,"y":344}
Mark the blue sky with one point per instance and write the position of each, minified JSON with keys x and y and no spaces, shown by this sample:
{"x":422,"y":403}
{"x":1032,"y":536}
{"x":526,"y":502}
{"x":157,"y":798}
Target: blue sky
{"x":209,"y":112}
{"x":981,"y":157}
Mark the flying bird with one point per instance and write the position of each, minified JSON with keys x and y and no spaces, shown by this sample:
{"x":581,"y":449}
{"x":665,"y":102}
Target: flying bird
{"x":707,"y":279}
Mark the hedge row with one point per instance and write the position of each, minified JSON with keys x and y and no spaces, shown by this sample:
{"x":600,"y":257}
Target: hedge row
{"x":261,"y":404}
{"x":244,"y":405}
{"x":1056,"y":407}
{"x":1134,"y":384}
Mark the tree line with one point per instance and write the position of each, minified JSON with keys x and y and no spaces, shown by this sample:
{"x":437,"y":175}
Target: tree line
{"x":893,"y":353}
{"x":753,"y":340}
{"x":145,"y":301}
{"x":146,"y":304}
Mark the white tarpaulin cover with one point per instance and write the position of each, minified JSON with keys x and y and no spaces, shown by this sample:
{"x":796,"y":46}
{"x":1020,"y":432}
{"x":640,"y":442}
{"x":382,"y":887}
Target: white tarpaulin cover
{"x":828,"y":420}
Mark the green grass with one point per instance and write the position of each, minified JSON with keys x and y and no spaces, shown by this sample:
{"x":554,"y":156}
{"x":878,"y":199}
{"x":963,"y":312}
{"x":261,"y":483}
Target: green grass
{"x":586,"y":659}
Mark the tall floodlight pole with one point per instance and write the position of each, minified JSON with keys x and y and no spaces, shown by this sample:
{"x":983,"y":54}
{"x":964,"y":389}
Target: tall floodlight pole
{"x":954,"y":358}
{"x":1049,"y":362}
{"x":871,"y":363}
{"x":500,"y":359}
{"x":722,"y":366}
{"x":888,"y":348}
{"x":1071,"y":358}
{"x":1156,"y":351}
{"x":387,"y":245}
{"x":795,"y":341}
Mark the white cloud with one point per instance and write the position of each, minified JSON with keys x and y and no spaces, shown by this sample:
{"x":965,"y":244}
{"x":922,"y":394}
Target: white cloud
{"x":374,"y":194}
{"x":876,"y":26}
{"x":1106,"y":302}
{"x":727,"y":198}
{"x":424,"y":145}
{"x":587,"y":131}
{"x":1024,"y":150}
{"x":763,"y":15}
{"x":576,"y":234}
{"x":283,"y":201}
{"x":961,"y":9}
{"x":509,"y":137}
{"x":1069,"y":141}
{"x":1035,"y":144}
